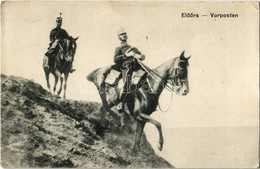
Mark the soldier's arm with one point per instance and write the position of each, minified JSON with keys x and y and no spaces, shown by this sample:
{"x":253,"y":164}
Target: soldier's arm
{"x":135,"y":50}
{"x":65,"y":34}
{"x":52,"y":34}
{"x":118,"y":57}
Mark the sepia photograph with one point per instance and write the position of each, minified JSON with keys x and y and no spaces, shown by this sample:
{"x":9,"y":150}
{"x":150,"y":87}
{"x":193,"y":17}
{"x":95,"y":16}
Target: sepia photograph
{"x":129,"y":84}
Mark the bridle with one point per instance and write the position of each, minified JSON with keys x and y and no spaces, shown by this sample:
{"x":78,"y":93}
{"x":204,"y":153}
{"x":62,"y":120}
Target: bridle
{"x":171,"y":81}
{"x":174,"y":79}
{"x":66,"y":53}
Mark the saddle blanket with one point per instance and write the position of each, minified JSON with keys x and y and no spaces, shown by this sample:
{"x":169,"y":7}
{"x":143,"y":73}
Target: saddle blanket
{"x":113,"y":76}
{"x":137,"y":76}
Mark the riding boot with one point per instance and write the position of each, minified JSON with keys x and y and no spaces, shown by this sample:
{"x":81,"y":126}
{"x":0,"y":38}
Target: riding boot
{"x":123,"y":96}
{"x":72,"y":70}
{"x":49,"y":52}
{"x":121,"y":105}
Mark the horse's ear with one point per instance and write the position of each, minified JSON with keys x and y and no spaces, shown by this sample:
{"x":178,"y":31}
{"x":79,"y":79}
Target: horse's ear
{"x":188,"y":57}
{"x":76,"y":38}
{"x":182,"y":55}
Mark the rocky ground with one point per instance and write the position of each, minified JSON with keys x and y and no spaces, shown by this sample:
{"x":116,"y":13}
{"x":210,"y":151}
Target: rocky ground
{"x":42,"y":130}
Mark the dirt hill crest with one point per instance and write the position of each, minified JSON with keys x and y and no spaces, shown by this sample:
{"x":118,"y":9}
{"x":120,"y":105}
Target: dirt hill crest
{"x":43,"y":130}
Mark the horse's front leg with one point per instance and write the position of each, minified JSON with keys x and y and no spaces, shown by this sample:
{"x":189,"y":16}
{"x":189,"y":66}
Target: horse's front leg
{"x":55,"y":83}
{"x":158,"y":126}
{"x":138,"y":134}
{"x":47,"y":73}
{"x":61,"y":81}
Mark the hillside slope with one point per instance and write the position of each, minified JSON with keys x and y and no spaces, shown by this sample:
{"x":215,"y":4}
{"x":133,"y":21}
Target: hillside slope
{"x":42,"y":130}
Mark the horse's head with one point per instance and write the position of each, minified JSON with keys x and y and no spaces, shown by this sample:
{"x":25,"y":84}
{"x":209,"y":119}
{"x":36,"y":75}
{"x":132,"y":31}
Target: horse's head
{"x":179,"y":75}
{"x":70,"y":47}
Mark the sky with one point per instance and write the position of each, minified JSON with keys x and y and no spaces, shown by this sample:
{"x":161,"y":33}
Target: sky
{"x":224,"y":64}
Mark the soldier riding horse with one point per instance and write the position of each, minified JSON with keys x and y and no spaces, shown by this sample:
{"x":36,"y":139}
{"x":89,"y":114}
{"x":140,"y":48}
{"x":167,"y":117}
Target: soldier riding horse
{"x":143,"y":101}
{"x":60,"y":63}
{"x":60,"y":55}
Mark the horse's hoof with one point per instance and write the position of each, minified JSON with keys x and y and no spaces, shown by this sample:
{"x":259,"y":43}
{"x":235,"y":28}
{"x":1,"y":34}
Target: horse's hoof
{"x":160,"y":146}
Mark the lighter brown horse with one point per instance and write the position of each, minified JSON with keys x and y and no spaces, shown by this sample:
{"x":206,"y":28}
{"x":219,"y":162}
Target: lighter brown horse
{"x":142,"y":102}
{"x":60,"y":64}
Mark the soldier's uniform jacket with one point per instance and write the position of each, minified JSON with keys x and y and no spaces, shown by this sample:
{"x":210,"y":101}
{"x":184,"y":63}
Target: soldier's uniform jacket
{"x":58,"y":33}
{"x":120,"y":59}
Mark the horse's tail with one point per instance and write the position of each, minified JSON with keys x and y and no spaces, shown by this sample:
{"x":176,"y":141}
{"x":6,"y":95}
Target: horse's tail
{"x":91,"y":76}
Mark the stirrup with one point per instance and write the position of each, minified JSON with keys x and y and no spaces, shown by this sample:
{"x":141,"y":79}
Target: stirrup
{"x":120,"y":106}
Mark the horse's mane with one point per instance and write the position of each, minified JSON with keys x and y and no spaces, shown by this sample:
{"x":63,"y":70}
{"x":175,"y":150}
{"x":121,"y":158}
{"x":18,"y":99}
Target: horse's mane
{"x":168,"y":62}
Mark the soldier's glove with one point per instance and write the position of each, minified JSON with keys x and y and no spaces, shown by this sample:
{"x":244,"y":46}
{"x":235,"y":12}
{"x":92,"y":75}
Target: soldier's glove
{"x":138,"y":56}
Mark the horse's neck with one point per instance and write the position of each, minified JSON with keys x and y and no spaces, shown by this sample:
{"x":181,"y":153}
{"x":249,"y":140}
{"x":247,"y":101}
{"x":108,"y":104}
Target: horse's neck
{"x":62,"y":45}
{"x":160,"y":75}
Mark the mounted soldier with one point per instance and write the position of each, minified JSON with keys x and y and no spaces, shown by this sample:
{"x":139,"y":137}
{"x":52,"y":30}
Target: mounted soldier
{"x":125,"y":59}
{"x":171,"y":75}
{"x":57,"y":36}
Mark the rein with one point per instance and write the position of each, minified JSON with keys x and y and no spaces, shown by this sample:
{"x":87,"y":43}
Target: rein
{"x":63,"y":54}
{"x":148,"y":70}
{"x":158,"y":101}
{"x":62,"y":50}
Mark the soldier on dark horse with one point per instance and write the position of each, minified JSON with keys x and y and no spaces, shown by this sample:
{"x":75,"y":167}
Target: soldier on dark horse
{"x":59,"y":57}
{"x":57,"y":36}
{"x":148,"y":84}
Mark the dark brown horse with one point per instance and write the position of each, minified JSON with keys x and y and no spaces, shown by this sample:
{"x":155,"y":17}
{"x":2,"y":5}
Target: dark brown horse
{"x":61,"y":64}
{"x":143,"y":101}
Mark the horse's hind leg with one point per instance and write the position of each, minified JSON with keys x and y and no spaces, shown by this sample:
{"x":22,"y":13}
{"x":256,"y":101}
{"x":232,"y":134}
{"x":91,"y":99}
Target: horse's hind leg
{"x":103,"y":122}
{"x":107,"y":108}
{"x":158,"y":126}
{"x":61,"y":83}
{"x":138,"y":134}
{"x":55,"y":82}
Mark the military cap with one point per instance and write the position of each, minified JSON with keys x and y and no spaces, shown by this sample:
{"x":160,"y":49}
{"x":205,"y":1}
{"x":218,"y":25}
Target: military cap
{"x":120,"y":31}
{"x":59,"y":19}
